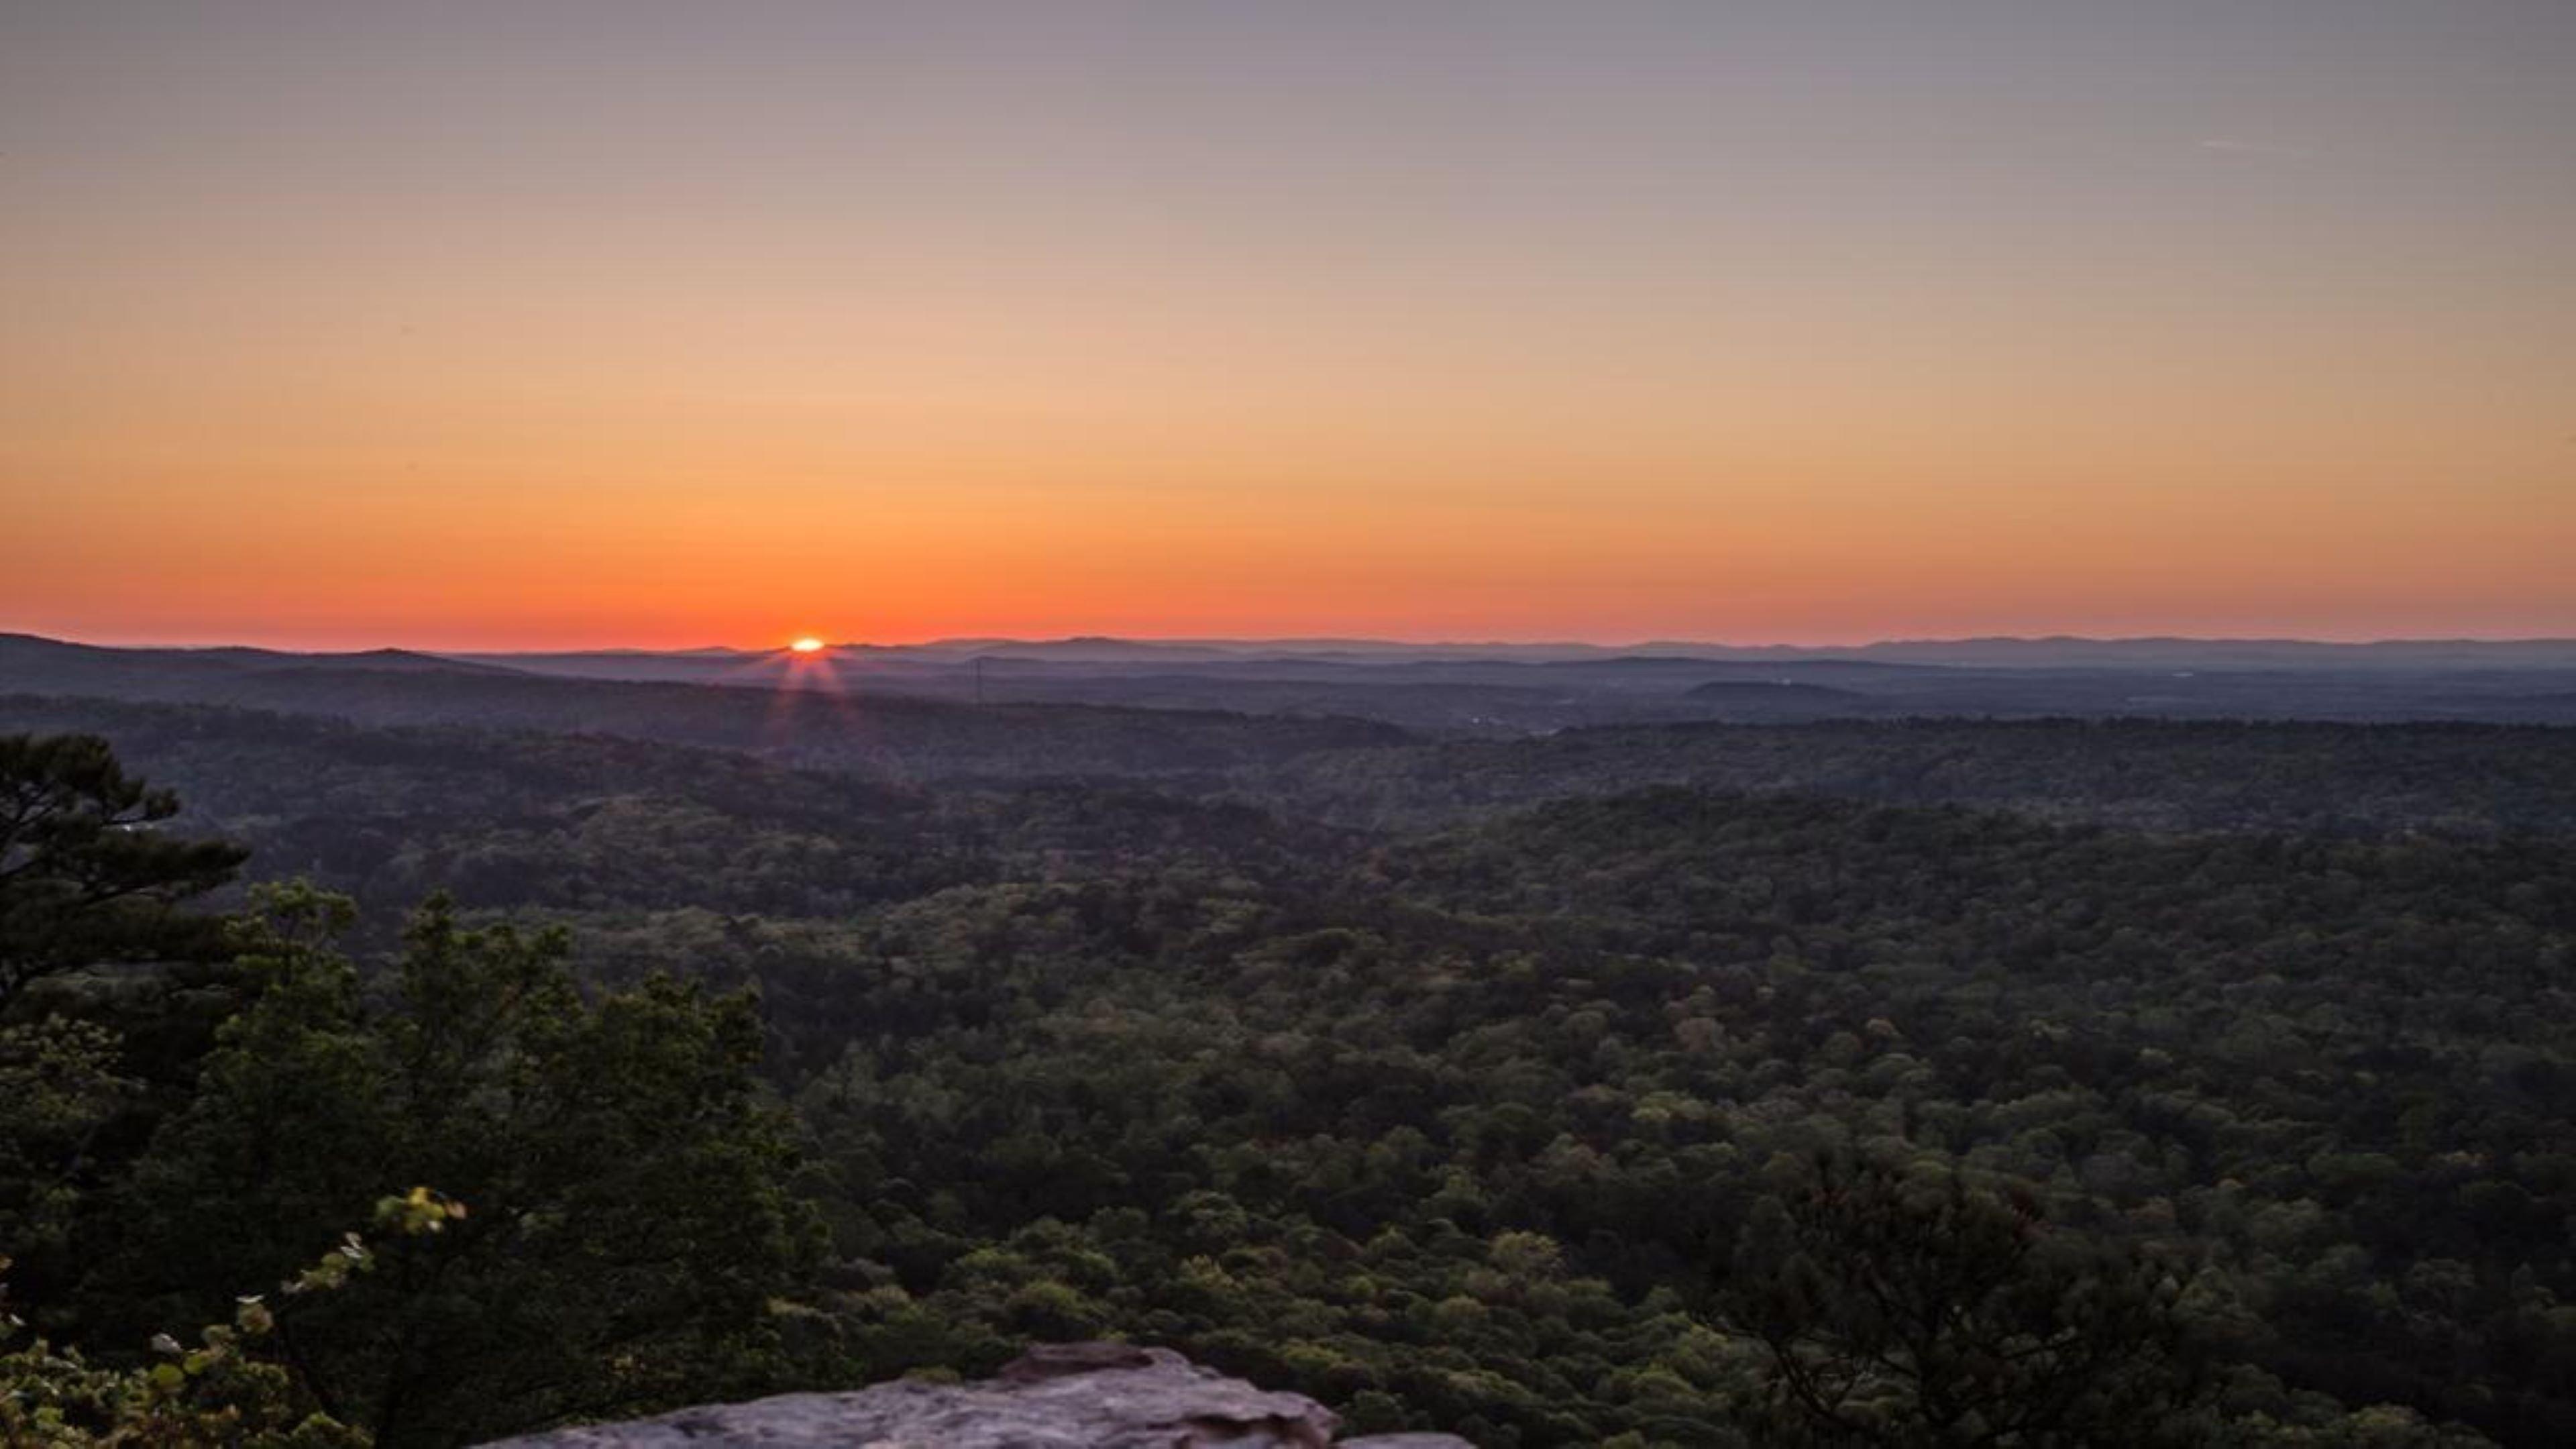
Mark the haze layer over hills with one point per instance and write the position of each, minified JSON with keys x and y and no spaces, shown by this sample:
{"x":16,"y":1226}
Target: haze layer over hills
{"x":1481,"y":688}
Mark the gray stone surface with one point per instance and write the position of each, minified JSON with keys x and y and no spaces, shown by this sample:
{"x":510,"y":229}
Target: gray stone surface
{"x":1062,"y":1396}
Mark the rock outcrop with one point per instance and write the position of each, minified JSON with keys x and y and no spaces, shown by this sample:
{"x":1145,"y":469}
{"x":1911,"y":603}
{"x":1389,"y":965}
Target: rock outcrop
{"x":1061,"y":1396}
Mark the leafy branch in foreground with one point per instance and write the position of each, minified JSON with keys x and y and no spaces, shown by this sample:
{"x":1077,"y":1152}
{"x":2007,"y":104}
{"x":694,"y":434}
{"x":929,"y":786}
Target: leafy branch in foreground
{"x":239,"y":1386}
{"x":631,"y":1224}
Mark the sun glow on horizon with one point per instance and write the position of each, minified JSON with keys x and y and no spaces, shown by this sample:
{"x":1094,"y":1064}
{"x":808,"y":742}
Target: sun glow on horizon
{"x":807,"y":645}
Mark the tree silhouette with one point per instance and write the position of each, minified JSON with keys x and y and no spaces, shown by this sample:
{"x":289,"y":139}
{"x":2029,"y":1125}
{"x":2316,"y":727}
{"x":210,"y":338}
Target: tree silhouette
{"x":1920,"y":1311}
{"x":84,"y":876}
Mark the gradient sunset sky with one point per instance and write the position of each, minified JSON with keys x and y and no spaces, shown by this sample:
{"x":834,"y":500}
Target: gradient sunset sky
{"x":532,"y":324}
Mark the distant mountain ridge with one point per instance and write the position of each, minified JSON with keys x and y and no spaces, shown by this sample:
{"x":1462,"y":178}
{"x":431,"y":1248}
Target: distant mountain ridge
{"x":30,"y":652}
{"x":2038,"y":652}
{"x":2054,"y":651}
{"x":1485,"y":689}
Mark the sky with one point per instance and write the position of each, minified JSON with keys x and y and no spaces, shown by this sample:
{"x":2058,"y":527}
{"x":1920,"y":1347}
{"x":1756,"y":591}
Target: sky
{"x":565,"y":324}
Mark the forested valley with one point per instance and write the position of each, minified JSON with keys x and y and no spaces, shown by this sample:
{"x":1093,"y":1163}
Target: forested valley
{"x":1843,"y":1082}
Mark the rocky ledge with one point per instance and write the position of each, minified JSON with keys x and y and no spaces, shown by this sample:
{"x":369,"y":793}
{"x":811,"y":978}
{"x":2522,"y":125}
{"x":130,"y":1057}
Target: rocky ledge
{"x":1061,"y":1396}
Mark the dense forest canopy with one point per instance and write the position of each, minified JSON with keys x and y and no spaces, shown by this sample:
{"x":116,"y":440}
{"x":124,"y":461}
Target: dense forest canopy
{"x":1907,"y":1082}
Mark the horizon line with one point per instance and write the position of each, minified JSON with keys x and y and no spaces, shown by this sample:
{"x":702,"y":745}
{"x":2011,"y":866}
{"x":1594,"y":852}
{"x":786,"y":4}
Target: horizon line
{"x":987,"y":641}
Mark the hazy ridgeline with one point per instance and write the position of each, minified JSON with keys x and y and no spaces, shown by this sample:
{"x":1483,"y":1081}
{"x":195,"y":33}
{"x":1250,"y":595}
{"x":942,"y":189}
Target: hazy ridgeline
{"x":1361,"y":1028}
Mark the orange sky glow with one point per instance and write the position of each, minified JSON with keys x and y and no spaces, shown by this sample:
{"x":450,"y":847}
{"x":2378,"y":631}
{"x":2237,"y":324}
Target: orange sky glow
{"x":644,"y":326}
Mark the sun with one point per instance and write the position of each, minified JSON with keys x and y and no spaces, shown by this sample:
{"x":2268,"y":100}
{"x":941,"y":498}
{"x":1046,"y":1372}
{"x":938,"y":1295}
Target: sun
{"x":807,"y":645}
